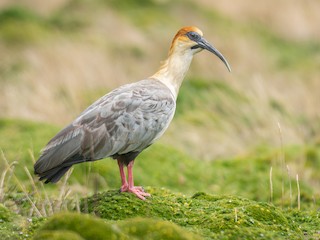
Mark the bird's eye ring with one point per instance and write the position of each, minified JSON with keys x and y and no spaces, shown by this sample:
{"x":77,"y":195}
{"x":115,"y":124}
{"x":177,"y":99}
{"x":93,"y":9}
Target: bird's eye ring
{"x":193,"y":36}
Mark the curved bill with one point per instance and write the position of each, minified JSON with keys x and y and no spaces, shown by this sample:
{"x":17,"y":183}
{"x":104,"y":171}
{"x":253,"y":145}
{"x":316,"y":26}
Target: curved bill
{"x":202,"y":43}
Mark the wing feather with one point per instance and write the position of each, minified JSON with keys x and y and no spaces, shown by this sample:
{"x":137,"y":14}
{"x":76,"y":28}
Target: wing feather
{"x":126,"y":120}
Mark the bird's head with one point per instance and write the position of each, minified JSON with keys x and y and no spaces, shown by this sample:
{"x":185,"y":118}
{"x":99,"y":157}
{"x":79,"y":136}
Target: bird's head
{"x":190,"y":40}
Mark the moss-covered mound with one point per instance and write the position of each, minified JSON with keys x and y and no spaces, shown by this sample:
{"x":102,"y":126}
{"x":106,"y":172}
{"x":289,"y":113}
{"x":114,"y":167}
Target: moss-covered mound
{"x":214,"y":217}
{"x":9,"y":224}
{"x":146,"y":228}
{"x":77,"y":226}
{"x":74,"y":226}
{"x":5,"y":214}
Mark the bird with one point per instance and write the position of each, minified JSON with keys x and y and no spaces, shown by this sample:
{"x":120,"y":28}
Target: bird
{"x":127,"y":120}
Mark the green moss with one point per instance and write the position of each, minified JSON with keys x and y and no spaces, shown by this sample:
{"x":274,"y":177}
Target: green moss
{"x":10,"y":224}
{"x":58,"y":235}
{"x":144,"y":228}
{"x":211,"y":216}
{"x":80,"y":226}
{"x":308,"y":222}
{"x":14,"y":226}
{"x":7,"y":232}
{"x":87,"y":227}
{"x":5,"y":214}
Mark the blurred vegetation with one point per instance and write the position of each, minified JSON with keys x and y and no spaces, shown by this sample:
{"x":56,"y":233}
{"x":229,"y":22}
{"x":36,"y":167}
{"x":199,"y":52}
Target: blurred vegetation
{"x":245,"y":135}
{"x":24,"y":140}
{"x":13,"y":20}
{"x":289,"y":54}
{"x":36,"y":27}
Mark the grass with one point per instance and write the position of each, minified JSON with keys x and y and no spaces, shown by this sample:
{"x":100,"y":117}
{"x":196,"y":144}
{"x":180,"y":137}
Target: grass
{"x":136,"y":11}
{"x":213,"y":92}
{"x":13,"y":19}
{"x":182,"y":171}
{"x":37,"y":27}
{"x":21,"y":137}
{"x":299,"y":55}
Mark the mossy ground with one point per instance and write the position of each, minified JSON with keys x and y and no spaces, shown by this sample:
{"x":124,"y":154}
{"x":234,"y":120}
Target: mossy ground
{"x":165,"y":215}
{"x":14,"y":226}
{"x":212,"y":217}
{"x":218,"y":216}
{"x":168,"y":215}
{"x":73,"y":224}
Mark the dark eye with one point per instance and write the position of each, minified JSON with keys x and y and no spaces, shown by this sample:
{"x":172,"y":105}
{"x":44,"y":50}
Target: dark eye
{"x":193,"y":36}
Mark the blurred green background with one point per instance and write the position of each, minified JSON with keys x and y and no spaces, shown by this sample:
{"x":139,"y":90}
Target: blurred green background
{"x":58,"y":56}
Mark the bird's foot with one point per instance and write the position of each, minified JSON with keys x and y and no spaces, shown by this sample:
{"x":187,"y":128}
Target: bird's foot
{"x":138,"y":191}
{"x":124,"y":188}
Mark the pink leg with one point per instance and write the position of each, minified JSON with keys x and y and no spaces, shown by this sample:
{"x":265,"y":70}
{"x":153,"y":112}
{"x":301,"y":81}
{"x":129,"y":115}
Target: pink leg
{"x":138,"y":191}
{"x":124,"y":184}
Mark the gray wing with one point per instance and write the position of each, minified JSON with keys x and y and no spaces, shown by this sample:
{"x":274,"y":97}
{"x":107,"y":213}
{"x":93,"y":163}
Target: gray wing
{"x":128,"y":119}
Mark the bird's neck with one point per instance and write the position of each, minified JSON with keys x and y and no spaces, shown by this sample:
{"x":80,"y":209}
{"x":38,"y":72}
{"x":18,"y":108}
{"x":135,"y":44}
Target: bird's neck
{"x":173,"y":70}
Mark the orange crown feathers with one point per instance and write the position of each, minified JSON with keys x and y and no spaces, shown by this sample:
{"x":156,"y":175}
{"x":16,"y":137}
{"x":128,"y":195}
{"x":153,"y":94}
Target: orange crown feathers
{"x":181,"y":35}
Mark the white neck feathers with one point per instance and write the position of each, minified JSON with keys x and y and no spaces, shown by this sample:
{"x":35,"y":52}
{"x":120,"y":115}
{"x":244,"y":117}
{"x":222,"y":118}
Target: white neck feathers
{"x":174,"y":68}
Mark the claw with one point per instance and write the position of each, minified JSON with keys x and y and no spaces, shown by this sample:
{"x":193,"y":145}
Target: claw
{"x":139,"y":192}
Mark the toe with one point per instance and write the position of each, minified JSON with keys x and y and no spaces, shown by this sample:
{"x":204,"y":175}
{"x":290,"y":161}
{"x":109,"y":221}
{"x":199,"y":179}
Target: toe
{"x":139,"y":193}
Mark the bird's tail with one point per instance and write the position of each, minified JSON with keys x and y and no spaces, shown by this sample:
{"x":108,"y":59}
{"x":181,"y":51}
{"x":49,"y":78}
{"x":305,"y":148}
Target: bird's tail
{"x":70,"y":146}
{"x":55,"y":174}
{"x":59,"y":155}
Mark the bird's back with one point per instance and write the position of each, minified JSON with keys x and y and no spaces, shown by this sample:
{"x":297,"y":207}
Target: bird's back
{"x":121,"y":123}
